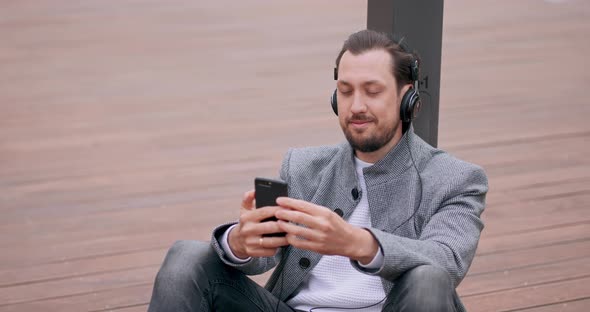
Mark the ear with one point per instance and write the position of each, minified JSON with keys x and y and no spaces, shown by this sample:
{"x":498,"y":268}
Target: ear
{"x":405,"y":89}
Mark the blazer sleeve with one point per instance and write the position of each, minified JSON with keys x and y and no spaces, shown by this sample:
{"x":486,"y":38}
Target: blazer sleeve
{"x":256,"y":265}
{"x":448,"y":240}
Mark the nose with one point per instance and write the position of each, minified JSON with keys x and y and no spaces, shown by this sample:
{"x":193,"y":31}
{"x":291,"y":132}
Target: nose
{"x":358,"y":104}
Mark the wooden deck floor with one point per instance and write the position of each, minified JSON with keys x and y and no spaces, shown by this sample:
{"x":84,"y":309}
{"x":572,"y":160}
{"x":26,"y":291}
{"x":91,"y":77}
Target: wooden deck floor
{"x":126,"y":125}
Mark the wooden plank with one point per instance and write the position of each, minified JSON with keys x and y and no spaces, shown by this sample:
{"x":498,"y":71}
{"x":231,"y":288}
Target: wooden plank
{"x":525,"y":277}
{"x":541,"y":191}
{"x":497,"y":262}
{"x":135,"y":308}
{"x":536,"y":214}
{"x":521,"y":298}
{"x":578,"y":231}
{"x":577,"y":305}
{"x":129,"y":221}
{"x":79,"y":285}
{"x":526,"y":152}
{"x":98,"y":300}
{"x":79,"y":268}
{"x":101,"y":246}
{"x":95,"y":300}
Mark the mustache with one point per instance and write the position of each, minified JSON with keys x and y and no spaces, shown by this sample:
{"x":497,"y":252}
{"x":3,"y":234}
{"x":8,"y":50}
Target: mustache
{"x":359,"y":118}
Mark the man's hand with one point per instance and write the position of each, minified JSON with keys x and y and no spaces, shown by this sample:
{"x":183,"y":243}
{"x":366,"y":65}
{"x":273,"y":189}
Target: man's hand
{"x":245,"y":240}
{"x":326,"y":232}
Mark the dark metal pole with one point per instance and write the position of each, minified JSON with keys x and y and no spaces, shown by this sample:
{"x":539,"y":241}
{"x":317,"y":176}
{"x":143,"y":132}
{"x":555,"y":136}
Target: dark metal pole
{"x":420,"y":22}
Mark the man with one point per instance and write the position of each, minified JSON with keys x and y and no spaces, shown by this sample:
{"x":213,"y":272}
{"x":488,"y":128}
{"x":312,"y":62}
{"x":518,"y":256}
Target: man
{"x":382,"y":222}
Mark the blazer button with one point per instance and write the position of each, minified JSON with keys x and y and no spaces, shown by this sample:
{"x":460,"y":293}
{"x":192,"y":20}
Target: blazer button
{"x":355,"y":193}
{"x":304,"y":263}
{"x":339,"y":212}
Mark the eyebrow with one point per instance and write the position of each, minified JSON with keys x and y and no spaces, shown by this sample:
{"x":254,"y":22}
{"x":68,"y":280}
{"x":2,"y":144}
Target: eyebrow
{"x":370,"y":82}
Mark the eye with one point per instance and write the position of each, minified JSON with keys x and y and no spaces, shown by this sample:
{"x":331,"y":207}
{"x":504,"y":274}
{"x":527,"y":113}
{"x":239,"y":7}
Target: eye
{"x":373,"y":92}
{"x":345,"y":91}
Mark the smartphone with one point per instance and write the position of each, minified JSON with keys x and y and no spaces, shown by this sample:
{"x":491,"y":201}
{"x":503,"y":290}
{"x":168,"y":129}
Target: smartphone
{"x":266,"y":193}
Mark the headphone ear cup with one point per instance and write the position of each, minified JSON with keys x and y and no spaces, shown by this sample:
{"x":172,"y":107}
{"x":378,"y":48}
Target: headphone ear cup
{"x":409,"y":105}
{"x":334,"y":102}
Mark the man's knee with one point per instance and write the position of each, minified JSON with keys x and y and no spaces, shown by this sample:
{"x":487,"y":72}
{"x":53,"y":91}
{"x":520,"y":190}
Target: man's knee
{"x":186,"y":262}
{"x":424,"y":288}
{"x":428,"y":276}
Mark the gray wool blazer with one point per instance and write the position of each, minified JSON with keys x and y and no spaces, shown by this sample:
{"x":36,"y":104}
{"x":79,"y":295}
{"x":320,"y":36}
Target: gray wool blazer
{"x":428,"y":218}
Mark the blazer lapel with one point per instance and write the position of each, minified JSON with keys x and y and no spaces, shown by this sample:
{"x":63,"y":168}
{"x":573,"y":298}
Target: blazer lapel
{"x":394,"y":189}
{"x":335,"y":192}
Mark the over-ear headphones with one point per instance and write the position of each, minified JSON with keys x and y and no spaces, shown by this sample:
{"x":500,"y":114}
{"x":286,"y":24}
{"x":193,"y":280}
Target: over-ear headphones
{"x":410,"y":103}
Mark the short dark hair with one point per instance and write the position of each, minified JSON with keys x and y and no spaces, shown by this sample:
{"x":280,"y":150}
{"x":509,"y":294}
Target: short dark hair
{"x":401,"y":56}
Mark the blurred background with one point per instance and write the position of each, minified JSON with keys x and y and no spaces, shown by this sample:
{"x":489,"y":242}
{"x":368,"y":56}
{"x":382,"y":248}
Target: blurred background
{"x":127,"y":125}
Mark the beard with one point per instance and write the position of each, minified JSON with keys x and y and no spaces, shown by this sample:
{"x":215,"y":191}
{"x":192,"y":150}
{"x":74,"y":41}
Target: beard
{"x":369,"y":142}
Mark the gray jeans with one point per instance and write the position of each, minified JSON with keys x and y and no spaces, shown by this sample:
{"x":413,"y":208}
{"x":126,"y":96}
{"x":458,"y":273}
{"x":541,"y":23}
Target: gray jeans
{"x":192,"y":278}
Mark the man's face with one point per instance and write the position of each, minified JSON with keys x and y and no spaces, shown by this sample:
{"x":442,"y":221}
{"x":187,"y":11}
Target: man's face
{"x":368,"y":101}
